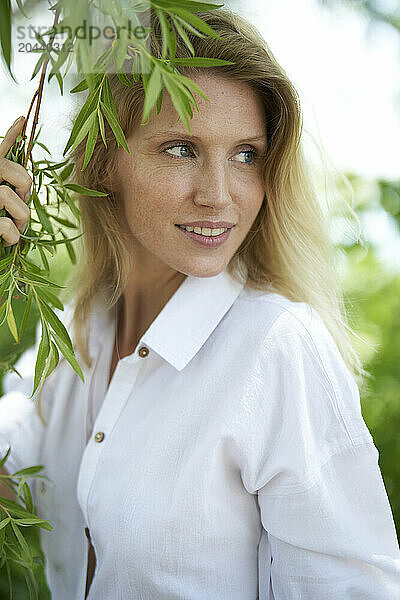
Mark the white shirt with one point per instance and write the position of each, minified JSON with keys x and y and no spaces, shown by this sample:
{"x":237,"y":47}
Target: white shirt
{"x":230,"y":463}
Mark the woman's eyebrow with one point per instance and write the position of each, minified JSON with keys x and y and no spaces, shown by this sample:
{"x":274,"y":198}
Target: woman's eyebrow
{"x":182,"y":134}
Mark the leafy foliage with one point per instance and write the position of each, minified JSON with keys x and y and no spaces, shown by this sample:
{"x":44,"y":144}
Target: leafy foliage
{"x":53,"y":194}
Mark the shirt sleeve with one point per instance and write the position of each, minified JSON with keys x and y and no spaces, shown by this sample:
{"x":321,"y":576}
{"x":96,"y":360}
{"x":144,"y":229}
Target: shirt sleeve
{"x":20,"y":425}
{"x":314,"y":467}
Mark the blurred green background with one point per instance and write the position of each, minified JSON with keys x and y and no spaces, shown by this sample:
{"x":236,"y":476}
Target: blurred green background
{"x":372,"y":288}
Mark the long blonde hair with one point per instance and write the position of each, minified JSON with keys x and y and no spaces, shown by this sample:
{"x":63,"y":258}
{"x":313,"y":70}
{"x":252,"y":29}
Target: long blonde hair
{"x":288,"y":248}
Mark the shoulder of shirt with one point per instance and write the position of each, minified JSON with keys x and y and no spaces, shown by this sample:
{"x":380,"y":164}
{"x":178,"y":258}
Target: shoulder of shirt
{"x":276,"y":315}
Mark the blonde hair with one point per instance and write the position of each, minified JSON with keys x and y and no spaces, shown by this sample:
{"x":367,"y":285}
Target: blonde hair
{"x":288,"y":248}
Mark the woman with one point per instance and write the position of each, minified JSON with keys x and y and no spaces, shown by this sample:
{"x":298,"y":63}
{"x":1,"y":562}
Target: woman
{"x":217,"y":448}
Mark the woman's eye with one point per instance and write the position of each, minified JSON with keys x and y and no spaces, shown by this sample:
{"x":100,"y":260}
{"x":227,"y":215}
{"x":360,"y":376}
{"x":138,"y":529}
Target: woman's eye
{"x":179,"y":154}
{"x":253,"y":156}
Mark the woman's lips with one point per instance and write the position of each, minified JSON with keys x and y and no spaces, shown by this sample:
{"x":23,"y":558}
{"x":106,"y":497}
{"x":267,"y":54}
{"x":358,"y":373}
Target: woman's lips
{"x":206,"y":241}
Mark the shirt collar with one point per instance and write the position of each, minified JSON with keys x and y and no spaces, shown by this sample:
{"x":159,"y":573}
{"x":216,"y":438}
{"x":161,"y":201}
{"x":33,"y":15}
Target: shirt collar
{"x":185,"y":322}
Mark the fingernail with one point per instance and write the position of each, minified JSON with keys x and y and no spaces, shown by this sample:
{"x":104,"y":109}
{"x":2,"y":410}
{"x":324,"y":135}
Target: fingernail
{"x":27,"y":196}
{"x":16,"y":120}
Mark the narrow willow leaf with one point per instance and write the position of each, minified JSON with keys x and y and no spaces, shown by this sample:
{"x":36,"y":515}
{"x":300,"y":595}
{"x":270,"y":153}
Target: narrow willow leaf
{"x":5,"y":33}
{"x":38,"y":65}
{"x":69,"y":355}
{"x":23,"y":543}
{"x":65,"y":173}
{"x":187,"y":26}
{"x":64,"y":222}
{"x":124,"y":78}
{"x":44,"y":147}
{"x":5,"y":262}
{"x":12,"y":324}
{"x":80,"y":189}
{"x":101,"y":124}
{"x":29,"y":470}
{"x":16,"y":509}
{"x":183,"y":35}
{"x":192,"y":5}
{"x":201,"y":61}
{"x":43,"y":352}
{"x":53,"y":360}
{"x":84,"y":130}
{"x":153,"y":90}
{"x":115,"y":126}
{"x":56,"y":325}
{"x":50,"y":243}
{"x":91,"y":141}
{"x":70,"y":249}
{"x":87,"y":109}
{"x":33,"y":278}
{"x":27,"y":497}
{"x":178,"y":100}
{"x":27,"y":522}
{"x":164,"y":31}
{"x":48,"y":296}
{"x":5,"y":522}
{"x":26,"y":313}
{"x":194,"y":20}
{"x":41,"y":213}
{"x":4,"y":459}
{"x":65,"y":197}
{"x":45,"y":262}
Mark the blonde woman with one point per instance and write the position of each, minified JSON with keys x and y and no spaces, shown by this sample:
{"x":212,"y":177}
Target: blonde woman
{"x":216,"y":450}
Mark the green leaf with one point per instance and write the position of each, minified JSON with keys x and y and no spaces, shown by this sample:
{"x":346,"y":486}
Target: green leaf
{"x":11,"y":323}
{"x":43,"y":352}
{"x":5,"y":522}
{"x":87,"y":109}
{"x":115,"y":126}
{"x":195,"y":21}
{"x":27,"y":497}
{"x":38,"y":65}
{"x":101,"y":123}
{"x":4,"y":459}
{"x":48,"y":296}
{"x":41,"y":213}
{"x":22,"y":541}
{"x":26,"y":313}
{"x":183,"y":35}
{"x":45,"y":262}
{"x":80,"y":189}
{"x":200,"y":61}
{"x":69,"y":355}
{"x":56,"y":325}
{"x":91,"y":141}
{"x":5,"y":33}
{"x":70,"y":249}
{"x":53,"y":359}
{"x":154,"y":87}
{"x":84,"y":130}
{"x":179,"y":100}
{"x":65,"y":173}
{"x":64,"y":222}
{"x":29,"y":470}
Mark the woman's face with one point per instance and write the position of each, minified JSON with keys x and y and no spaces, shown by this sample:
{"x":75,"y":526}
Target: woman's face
{"x":171,"y":178}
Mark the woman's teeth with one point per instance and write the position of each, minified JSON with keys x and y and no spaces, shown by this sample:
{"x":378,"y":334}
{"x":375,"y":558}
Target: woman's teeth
{"x":205,"y":230}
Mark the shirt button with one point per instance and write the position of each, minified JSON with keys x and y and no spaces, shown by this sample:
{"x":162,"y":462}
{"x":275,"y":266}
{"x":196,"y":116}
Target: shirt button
{"x":99,"y":437}
{"x":143,"y":352}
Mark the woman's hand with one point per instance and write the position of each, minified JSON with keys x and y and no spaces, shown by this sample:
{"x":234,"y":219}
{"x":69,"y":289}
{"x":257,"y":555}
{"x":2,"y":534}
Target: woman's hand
{"x":13,"y":201}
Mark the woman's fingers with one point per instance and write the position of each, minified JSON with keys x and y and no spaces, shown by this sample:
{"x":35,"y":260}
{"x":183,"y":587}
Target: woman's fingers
{"x":8,"y":231}
{"x":10,"y":171}
{"x":10,"y":137}
{"x":15,"y":206}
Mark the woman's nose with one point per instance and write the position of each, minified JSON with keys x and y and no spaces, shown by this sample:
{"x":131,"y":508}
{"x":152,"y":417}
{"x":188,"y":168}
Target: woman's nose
{"x":213,"y":187}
